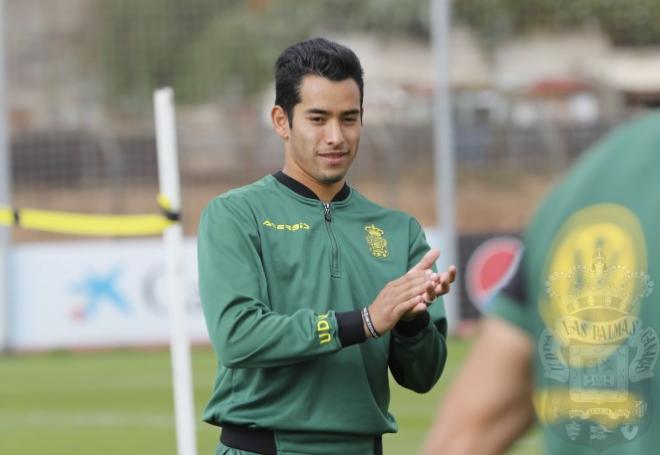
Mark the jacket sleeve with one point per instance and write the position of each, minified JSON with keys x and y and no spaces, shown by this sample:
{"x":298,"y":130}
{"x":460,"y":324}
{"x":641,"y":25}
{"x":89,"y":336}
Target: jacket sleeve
{"x":244,"y":330}
{"x":418,"y":348}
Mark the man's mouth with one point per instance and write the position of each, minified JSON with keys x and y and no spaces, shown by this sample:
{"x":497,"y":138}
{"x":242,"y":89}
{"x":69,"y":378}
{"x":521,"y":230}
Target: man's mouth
{"x":333,"y":154}
{"x":333,"y":158}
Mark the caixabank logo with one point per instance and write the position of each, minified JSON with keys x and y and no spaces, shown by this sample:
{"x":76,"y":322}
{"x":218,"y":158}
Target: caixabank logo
{"x":94,"y":291}
{"x":597,"y":353}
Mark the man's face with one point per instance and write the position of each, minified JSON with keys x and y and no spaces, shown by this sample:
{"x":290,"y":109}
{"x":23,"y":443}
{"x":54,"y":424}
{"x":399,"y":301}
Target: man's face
{"x":325,"y":135}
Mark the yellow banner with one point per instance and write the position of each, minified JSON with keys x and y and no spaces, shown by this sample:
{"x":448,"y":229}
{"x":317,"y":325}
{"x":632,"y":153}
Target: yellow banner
{"x":6,"y":216}
{"x":90,"y":225}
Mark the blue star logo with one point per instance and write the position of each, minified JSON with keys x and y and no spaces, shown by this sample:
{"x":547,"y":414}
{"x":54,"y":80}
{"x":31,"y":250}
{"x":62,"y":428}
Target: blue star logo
{"x":98,"y":289}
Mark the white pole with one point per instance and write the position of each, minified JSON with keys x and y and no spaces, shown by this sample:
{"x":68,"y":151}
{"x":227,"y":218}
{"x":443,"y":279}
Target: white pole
{"x":444,"y":150}
{"x":168,"y":174}
{"x":5,"y":193}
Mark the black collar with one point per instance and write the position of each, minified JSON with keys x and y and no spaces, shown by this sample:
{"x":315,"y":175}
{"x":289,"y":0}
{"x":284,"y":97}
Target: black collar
{"x":302,"y":190}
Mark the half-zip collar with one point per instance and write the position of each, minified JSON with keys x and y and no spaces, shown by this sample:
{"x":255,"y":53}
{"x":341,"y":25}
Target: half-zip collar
{"x":301,"y":189}
{"x":311,"y":198}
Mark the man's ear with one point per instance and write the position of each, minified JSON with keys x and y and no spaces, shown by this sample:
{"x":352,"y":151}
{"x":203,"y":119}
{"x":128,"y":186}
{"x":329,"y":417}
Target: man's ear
{"x":280,"y":122}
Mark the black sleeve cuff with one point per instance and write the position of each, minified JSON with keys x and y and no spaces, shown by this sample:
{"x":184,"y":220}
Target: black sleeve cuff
{"x":413,"y":327}
{"x":351,"y":330}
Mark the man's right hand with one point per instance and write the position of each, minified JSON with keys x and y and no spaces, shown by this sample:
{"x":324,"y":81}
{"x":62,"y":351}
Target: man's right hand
{"x":399,"y":297}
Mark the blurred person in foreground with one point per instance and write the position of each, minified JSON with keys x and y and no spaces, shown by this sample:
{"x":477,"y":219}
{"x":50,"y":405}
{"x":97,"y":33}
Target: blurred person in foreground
{"x":310,"y":291}
{"x":573,"y":337}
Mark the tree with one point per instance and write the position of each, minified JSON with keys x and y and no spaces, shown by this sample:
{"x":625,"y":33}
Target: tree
{"x":625,"y":23}
{"x":211,"y":49}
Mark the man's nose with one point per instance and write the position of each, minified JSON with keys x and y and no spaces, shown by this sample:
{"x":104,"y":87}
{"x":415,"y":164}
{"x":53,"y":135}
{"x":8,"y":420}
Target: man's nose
{"x":333,"y":133}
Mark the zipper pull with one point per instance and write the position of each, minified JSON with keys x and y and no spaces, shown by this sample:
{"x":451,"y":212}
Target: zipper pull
{"x":326,"y":212}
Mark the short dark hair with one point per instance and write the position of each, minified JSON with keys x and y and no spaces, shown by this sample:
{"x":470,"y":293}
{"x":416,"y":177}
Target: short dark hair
{"x":316,"y":56}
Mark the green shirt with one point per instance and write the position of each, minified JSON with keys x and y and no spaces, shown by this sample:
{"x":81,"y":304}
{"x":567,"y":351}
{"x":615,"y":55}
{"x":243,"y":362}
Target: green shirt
{"x":584,"y":293}
{"x":282,"y":280}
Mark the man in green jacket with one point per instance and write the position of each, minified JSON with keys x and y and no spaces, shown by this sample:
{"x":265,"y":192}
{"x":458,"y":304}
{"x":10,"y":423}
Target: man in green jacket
{"x":310,"y":291}
{"x":572,"y":339}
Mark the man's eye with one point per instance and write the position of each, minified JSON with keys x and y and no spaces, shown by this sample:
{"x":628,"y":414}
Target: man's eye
{"x":316,"y":119}
{"x":350,"y":119}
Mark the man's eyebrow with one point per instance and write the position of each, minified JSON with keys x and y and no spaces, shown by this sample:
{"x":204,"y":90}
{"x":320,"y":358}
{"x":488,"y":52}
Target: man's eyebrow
{"x":318,"y":111}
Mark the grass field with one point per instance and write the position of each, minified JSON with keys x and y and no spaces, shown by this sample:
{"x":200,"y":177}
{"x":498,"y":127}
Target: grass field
{"x":120,"y":402}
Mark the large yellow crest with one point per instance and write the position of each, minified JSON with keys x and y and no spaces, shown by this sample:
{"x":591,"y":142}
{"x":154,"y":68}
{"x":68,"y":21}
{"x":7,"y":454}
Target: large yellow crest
{"x":596,"y":354}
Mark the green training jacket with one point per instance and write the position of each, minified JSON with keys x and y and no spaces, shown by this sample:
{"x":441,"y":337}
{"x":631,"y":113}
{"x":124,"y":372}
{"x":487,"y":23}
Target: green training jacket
{"x":584,"y":293}
{"x":282,"y":279}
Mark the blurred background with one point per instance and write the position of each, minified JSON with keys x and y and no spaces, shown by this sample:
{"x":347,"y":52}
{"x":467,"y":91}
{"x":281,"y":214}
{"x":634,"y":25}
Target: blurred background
{"x":534,"y":83}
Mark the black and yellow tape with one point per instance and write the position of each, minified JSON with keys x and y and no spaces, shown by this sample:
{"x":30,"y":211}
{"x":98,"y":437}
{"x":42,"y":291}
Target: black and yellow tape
{"x":91,"y":225}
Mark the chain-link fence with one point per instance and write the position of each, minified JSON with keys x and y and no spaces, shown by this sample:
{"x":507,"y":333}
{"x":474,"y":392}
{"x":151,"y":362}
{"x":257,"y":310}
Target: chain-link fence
{"x":534,"y":84}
